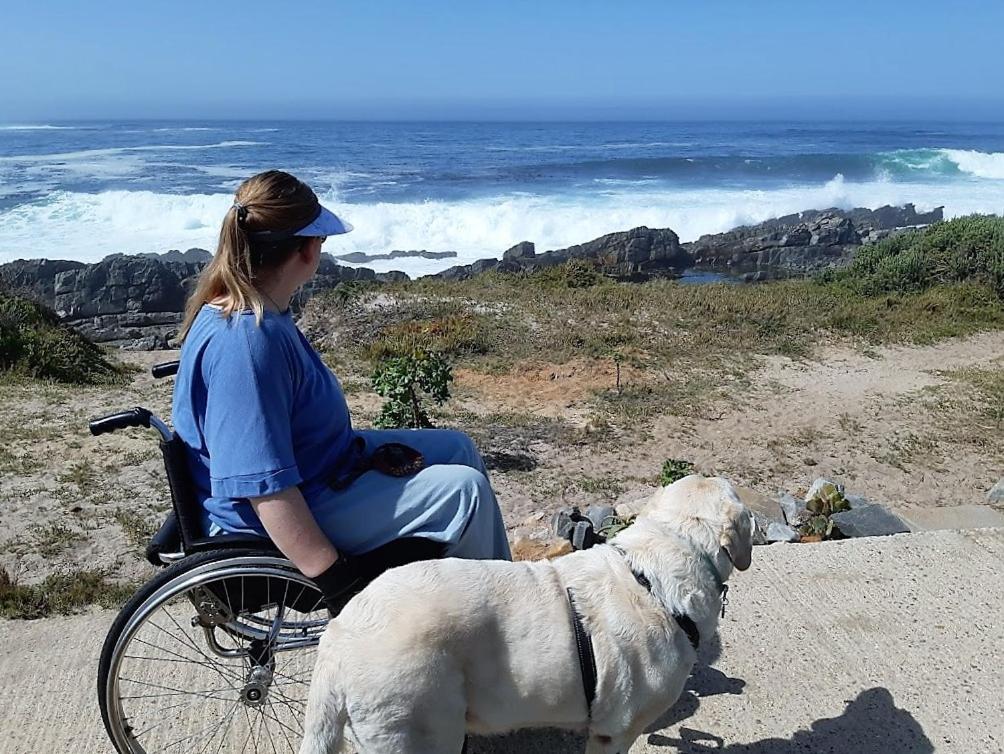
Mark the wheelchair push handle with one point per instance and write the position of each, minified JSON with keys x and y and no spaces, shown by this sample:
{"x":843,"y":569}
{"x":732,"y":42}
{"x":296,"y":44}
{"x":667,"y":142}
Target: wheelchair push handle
{"x":165,"y":369}
{"x":134,"y":417}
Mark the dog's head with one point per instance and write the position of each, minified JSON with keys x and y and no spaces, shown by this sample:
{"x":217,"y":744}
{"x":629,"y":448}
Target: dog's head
{"x":708,"y":511}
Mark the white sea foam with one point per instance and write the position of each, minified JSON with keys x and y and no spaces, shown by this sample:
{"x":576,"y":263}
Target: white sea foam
{"x":980,"y":164}
{"x":84,"y":154}
{"x":41,"y":127}
{"x":89,"y":226}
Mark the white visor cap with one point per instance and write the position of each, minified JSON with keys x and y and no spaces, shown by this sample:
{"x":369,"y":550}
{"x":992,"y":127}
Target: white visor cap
{"x":327,"y":223}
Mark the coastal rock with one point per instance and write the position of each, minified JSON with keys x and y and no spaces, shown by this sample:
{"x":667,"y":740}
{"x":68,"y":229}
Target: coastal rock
{"x":137,"y":301}
{"x":35,"y":278}
{"x":115,"y":285}
{"x":802,"y":243}
{"x":359,"y":257}
{"x":191,"y":256}
{"x":639,"y":251}
{"x":522,"y":250}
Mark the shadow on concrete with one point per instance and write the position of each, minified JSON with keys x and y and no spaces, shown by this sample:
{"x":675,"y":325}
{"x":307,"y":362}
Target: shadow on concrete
{"x":705,"y":681}
{"x":871,"y":724}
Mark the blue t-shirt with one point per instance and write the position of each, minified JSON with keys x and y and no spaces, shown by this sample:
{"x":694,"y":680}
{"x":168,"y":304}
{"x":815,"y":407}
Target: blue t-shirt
{"x":259,"y":412}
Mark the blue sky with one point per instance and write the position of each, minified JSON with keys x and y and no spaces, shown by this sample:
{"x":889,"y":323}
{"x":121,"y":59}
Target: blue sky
{"x":509,"y":59}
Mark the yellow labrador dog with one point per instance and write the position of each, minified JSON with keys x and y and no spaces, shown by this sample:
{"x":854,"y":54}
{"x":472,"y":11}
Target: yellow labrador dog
{"x":435,"y":650}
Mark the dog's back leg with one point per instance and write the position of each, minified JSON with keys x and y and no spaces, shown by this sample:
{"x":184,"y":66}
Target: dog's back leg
{"x":325,"y":717}
{"x":417,"y":736}
{"x":433,"y":722}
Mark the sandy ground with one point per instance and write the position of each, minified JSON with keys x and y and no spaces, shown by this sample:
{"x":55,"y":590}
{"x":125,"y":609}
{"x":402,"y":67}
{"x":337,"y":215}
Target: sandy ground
{"x":894,"y":424}
{"x":874,"y":646}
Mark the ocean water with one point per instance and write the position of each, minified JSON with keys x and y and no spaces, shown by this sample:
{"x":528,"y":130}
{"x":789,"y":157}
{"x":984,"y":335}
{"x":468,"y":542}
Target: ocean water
{"x":84,"y":190}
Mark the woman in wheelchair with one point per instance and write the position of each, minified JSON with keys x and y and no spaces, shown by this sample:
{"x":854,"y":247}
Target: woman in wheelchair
{"x":270,"y":442}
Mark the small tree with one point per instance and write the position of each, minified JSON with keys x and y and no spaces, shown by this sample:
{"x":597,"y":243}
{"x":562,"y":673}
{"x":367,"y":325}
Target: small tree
{"x":402,"y":381}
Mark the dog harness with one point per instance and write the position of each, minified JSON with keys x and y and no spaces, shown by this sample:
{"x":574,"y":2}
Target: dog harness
{"x":584,"y":648}
{"x":584,"y":641}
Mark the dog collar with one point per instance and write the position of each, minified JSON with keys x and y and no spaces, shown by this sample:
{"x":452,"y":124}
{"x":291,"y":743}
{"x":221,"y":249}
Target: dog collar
{"x":684,"y":621}
{"x":723,"y":588}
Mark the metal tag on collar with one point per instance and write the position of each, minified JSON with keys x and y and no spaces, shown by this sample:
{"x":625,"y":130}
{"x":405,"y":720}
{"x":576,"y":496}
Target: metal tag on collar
{"x":725,"y":597}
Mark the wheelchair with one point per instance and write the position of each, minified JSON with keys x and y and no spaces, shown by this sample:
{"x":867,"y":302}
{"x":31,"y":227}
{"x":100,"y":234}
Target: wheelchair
{"x":215,"y":653}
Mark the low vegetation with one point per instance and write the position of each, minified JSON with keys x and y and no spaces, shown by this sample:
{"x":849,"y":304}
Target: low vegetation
{"x":406,"y":382}
{"x":967,"y":249}
{"x":685,"y":345}
{"x":34,"y":344}
{"x":60,"y":594}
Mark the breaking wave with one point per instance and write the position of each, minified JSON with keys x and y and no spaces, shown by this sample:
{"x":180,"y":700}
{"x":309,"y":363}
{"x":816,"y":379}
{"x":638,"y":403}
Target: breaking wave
{"x":88,"y":226}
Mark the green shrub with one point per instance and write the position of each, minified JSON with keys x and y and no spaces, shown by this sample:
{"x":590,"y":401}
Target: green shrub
{"x":966,"y":249}
{"x":574,"y":273}
{"x":33,"y":343}
{"x":674,"y":469}
{"x":403,"y":380}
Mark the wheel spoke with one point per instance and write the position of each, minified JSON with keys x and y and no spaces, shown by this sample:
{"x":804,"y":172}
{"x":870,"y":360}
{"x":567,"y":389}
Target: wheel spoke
{"x":181,"y":692}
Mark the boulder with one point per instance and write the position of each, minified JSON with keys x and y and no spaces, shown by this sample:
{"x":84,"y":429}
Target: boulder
{"x":868,"y":520}
{"x":116,"y":285}
{"x":996,"y":494}
{"x":795,"y":512}
{"x":765,"y":510}
{"x":522,"y":250}
{"x":778,"y":532}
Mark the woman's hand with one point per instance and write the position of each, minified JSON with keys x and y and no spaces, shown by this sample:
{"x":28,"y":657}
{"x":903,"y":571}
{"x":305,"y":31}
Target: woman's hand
{"x":294,"y":530}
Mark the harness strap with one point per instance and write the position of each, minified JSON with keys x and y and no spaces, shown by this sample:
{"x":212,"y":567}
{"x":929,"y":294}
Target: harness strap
{"x":584,"y":648}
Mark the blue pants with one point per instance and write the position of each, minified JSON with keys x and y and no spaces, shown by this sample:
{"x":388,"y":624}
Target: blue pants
{"x":449,"y":501}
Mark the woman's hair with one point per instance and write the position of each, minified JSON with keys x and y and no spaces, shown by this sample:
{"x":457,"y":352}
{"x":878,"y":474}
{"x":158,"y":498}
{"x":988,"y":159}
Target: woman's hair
{"x":269,"y":201}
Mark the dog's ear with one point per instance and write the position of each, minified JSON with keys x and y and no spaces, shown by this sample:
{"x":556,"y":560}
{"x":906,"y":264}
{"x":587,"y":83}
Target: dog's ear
{"x":737,"y":537}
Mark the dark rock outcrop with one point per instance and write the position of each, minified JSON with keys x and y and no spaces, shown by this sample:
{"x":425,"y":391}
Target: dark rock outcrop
{"x":138,"y":301}
{"x":802,"y":243}
{"x":625,"y":254}
{"x":196,"y":255}
{"x":359,"y":257}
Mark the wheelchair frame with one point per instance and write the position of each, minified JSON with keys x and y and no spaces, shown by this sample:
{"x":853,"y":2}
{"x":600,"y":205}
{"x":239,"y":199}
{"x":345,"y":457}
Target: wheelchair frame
{"x":241,"y":626}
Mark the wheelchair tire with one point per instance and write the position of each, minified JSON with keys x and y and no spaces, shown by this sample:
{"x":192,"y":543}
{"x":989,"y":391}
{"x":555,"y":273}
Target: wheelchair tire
{"x":214,"y":654}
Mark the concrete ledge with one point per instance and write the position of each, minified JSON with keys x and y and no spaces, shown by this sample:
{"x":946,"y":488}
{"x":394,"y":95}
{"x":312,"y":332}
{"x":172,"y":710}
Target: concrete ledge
{"x":879,"y":645}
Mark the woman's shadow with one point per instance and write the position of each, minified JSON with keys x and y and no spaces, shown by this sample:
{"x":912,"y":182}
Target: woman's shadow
{"x":870,"y":724}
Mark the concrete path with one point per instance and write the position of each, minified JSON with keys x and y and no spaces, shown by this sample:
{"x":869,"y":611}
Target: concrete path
{"x":879,"y":646}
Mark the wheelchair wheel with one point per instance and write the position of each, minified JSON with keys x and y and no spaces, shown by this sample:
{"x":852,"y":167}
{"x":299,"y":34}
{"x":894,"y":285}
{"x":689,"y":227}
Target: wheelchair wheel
{"x":213,"y":655}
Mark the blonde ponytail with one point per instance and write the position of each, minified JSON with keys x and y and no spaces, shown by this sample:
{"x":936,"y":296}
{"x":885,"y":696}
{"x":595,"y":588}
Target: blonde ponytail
{"x":272,"y":200}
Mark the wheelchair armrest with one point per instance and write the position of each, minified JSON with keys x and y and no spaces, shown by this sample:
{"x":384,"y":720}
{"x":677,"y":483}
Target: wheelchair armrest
{"x":166,"y":541}
{"x":232,"y":542}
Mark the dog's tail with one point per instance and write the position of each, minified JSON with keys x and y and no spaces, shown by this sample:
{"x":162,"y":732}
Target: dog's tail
{"x":326,"y":715}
